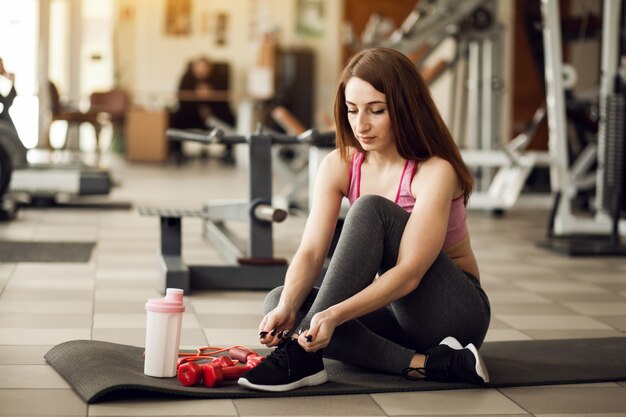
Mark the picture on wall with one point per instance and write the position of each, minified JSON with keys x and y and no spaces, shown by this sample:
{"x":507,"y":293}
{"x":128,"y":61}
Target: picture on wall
{"x":178,"y":17}
{"x":310,"y":17}
{"x":221,"y":29}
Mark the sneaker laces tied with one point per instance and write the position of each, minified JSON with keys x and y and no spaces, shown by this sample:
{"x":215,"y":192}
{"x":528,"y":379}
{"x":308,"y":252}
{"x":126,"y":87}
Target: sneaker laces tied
{"x":406,"y":373}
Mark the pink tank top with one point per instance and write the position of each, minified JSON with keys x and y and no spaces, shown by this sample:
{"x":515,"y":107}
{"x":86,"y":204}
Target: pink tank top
{"x":457,"y":222}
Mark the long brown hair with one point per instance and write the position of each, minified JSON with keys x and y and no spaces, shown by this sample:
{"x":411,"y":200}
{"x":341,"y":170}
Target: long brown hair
{"x":416,"y":124}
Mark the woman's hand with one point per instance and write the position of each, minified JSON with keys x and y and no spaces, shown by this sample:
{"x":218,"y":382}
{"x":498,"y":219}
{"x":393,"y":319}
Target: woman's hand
{"x":274,"y":325}
{"x":318,"y":336}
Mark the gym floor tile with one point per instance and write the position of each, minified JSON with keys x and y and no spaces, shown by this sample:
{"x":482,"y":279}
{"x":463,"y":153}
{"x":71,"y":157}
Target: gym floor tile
{"x":226,"y":306}
{"x":41,"y":403}
{"x":515,"y":297}
{"x":617,"y":322}
{"x":136,"y":283}
{"x":506,"y":271}
{"x":230,"y":321}
{"x":601,"y":275}
{"x":23,"y":355}
{"x":17,"y":234}
{"x":31,"y":376}
{"x":564,"y":399}
{"x":572,"y":334}
{"x":230,"y":337}
{"x":126,"y":294}
{"x":6,"y":269}
{"x":164,"y":407}
{"x":615,"y":287}
{"x":60,"y":234}
{"x":556,"y":322}
{"x":21,"y":336}
{"x":143,"y":274}
{"x":45,"y":307}
{"x":455,"y":402}
{"x":119,"y":307}
{"x":599,"y":309}
{"x":129,"y":259}
{"x":46,"y":294}
{"x":52,"y":284}
{"x":565,"y":286}
{"x":530,"y":309}
{"x":587,"y":415}
{"x":336,"y":405}
{"x":52,"y":271}
{"x":496,"y":324}
{"x":502,"y":335}
{"x":46,"y":321}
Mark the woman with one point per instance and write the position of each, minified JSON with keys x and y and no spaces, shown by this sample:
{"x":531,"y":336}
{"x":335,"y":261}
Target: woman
{"x":402,"y":291}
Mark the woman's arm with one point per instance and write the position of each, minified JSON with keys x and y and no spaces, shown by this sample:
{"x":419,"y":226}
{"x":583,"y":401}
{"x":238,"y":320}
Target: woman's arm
{"x":434,"y":186}
{"x":331,"y":184}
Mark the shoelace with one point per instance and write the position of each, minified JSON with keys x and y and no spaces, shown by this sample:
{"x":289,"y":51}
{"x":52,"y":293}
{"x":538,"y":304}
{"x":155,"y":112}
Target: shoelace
{"x":406,"y":373}
{"x":281,"y":356}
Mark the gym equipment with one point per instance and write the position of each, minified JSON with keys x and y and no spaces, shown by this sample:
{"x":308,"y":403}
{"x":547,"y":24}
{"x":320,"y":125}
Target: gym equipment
{"x":471,"y":26}
{"x":35,"y":183}
{"x":251,"y":267}
{"x":598,"y":234}
{"x":8,"y":208}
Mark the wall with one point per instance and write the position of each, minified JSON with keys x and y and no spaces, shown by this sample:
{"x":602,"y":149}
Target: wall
{"x":150,"y":63}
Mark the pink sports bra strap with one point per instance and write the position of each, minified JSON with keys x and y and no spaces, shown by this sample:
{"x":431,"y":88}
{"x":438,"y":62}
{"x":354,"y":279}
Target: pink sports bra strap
{"x":355,"y":176}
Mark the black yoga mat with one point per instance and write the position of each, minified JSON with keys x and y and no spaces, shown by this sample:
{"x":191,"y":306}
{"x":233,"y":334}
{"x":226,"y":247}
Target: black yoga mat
{"x":25,"y":251}
{"x":100,"y":371}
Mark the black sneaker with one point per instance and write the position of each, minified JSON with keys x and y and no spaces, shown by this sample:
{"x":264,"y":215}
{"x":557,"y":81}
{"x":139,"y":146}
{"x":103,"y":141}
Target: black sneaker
{"x":288,"y":367}
{"x":450,"y":361}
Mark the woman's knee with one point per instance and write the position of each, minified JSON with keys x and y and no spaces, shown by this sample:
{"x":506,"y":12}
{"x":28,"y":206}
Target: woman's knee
{"x":370,"y":203}
{"x":368,"y":208}
{"x":271,"y":299}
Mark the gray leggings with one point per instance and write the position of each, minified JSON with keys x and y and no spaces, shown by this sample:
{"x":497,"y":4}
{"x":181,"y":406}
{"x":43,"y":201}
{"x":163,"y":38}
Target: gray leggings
{"x":447,"y":302}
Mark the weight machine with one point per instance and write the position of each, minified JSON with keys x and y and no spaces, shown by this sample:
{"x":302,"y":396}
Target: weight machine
{"x":249,"y":265}
{"x":23,"y":182}
{"x":597,"y":234}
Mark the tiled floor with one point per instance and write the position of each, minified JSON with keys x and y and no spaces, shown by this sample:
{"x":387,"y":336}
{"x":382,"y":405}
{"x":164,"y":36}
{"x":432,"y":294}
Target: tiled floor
{"x":535,"y":294}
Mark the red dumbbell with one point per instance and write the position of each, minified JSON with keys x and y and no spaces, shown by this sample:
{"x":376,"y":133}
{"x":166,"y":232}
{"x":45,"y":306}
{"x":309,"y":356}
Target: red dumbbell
{"x":189,"y":374}
{"x":213,"y":374}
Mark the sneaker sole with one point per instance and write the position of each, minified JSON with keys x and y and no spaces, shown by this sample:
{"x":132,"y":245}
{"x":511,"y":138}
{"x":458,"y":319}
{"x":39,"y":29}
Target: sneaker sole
{"x":309,"y":381}
{"x":481,"y":369}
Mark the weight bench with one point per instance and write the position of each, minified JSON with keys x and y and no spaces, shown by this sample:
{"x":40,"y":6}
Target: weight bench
{"x":253,"y":267}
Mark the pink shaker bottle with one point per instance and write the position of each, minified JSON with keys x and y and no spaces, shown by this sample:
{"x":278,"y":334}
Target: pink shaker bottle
{"x":164,"y":322}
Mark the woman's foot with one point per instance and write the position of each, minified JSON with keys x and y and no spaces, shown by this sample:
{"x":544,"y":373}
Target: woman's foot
{"x":288,"y":367}
{"x":450,"y":361}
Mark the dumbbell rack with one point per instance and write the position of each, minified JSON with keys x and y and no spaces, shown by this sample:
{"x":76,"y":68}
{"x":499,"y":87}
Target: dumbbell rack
{"x":251,"y":268}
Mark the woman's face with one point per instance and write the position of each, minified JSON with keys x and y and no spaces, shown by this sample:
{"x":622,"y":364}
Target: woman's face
{"x":368,"y":115}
